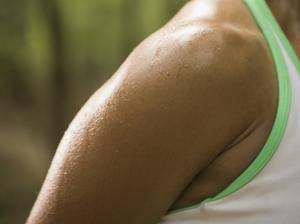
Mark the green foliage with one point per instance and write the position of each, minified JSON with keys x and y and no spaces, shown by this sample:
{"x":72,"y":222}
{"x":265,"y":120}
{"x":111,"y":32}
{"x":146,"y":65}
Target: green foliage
{"x":53,"y":55}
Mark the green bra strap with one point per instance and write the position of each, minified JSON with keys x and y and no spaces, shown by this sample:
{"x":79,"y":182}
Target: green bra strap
{"x":291,"y":52}
{"x":268,"y":25}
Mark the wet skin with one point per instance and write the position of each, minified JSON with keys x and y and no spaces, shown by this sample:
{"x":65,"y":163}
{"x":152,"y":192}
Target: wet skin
{"x":184,"y":115}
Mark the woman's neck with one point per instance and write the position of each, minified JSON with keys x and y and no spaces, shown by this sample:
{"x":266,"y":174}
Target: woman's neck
{"x":287,"y":13}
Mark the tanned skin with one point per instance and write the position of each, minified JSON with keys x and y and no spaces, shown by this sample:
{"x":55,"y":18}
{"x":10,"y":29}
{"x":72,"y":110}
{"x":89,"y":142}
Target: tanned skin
{"x":287,"y":13}
{"x":184,"y":115}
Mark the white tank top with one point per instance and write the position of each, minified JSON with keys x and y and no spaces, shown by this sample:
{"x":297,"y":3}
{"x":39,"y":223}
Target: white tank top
{"x":268,"y":192}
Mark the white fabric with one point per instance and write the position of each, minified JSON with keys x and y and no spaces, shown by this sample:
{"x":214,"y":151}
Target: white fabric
{"x":273,"y":196}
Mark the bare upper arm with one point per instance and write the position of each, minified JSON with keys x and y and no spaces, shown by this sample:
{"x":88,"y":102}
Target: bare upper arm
{"x":141,"y":138}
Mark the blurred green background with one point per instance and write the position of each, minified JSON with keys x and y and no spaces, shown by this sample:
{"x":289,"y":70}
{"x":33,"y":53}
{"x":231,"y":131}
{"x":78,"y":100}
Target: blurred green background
{"x":53,"y":55}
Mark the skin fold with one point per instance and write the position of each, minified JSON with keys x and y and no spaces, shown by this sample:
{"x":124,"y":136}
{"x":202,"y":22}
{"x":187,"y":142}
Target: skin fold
{"x":185,"y":114}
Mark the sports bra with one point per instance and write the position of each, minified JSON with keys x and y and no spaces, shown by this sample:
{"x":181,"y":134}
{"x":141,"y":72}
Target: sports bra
{"x":268,"y":191}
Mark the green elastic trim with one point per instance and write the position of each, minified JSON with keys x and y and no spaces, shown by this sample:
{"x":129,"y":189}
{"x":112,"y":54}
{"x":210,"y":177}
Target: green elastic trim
{"x":264,"y":19}
{"x":291,"y":52}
